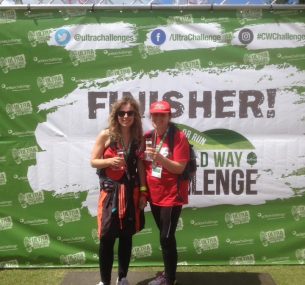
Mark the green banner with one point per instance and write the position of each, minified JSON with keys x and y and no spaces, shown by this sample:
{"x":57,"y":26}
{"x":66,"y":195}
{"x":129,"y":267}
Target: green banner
{"x":236,"y":84}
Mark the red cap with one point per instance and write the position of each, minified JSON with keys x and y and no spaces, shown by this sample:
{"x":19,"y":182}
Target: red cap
{"x":160,"y":107}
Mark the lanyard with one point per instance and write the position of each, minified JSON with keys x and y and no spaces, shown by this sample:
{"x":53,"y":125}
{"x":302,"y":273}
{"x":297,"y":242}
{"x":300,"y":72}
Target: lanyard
{"x":158,"y":147}
{"x":126,"y":151}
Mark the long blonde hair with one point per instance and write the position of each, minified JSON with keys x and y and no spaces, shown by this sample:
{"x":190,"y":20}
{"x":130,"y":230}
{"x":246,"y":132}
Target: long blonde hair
{"x":136,"y":129}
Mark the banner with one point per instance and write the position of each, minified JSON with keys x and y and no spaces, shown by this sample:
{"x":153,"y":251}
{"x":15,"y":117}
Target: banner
{"x":236,"y":84}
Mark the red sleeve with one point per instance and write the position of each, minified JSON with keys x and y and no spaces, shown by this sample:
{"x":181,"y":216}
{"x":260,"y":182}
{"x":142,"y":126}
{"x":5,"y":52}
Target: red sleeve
{"x":181,"y":147}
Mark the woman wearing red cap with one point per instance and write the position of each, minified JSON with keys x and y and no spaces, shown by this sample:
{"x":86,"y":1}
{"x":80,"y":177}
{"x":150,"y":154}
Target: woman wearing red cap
{"x":165,"y":197}
{"x":120,"y":208}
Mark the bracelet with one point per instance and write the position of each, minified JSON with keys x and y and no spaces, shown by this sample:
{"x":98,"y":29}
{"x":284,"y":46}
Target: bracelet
{"x":143,"y":189}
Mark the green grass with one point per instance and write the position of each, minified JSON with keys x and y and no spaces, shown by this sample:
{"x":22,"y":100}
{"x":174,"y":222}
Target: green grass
{"x":282,"y":275}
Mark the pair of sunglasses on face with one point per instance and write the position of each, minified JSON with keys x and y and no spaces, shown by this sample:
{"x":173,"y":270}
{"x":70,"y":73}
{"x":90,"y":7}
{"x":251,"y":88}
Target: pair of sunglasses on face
{"x":123,"y":113}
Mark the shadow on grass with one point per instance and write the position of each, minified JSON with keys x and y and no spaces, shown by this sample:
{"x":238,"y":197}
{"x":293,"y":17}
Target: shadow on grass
{"x":183,"y":278}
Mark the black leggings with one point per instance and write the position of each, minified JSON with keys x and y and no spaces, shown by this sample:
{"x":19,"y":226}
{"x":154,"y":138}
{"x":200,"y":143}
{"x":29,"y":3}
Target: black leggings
{"x":166,"y":219}
{"x":106,"y":253}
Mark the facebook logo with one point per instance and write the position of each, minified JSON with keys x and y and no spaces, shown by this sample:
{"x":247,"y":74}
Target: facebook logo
{"x":158,"y":37}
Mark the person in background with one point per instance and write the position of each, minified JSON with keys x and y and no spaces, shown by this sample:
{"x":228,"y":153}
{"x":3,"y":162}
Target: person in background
{"x":122,"y":187}
{"x":166,"y":197}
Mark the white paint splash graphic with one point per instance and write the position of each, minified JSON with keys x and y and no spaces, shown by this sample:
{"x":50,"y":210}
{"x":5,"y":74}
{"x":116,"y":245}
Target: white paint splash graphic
{"x":270,"y":36}
{"x":67,"y":136}
{"x":186,"y":36}
{"x":117,"y":35}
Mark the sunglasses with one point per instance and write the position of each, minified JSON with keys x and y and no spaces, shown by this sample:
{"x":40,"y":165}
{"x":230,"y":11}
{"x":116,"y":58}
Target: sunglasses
{"x":123,"y":113}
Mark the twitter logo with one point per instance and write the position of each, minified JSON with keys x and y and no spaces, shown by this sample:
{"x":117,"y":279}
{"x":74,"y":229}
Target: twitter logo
{"x":62,"y":37}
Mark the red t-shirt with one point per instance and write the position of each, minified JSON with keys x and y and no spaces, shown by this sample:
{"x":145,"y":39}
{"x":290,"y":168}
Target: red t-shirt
{"x":112,"y":172}
{"x":163,"y":191}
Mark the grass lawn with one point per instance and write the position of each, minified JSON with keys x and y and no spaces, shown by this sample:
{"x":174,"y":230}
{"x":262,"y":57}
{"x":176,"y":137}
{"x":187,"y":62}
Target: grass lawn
{"x":282,"y":275}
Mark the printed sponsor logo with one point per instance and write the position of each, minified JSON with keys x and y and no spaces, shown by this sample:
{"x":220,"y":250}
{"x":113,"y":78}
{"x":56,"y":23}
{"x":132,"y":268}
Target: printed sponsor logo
{"x":215,"y":20}
{"x":286,"y":13}
{"x":185,"y":19}
{"x":39,"y":37}
{"x":146,"y":50}
{"x":141,"y":251}
{"x":67,"y":216}
{"x":237,"y":218}
{"x":12,"y":62}
{"x":82,"y":56}
{"x":16,"y":88}
{"x":6,"y":223}
{"x":24,"y":154}
{"x":19,"y":109}
{"x":300,"y":255}
{"x":276,"y":260}
{"x":7,"y":16}
{"x":95,"y":237}
{"x":261,"y":58}
{"x":50,"y":82}
{"x":39,"y":15}
{"x":120,"y":74}
{"x":21,"y":178}
{"x":73,"y":13}
{"x":298,"y":212}
{"x":11,"y":42}
{"x":48,"y":61}
{"x":3,"y":179}
{"x":181,"y":249}
{"x":275,"y":236}
{"x":180,"y":224}
{"x":206,"y":244}
{"x":119,"y":53}
{"x":9,"y":264}
{"x":226,"y":37}
{"x":290,"y":57}
{"x":30,"y":198}
{"x":72,"y":239}
{"x":73,"y":259}
{"x":10,"y":247}
{"x":204,"y":224}
{"x":298,"y":234}
{"x":243,"y":260}
{"x":68,"y":195}
{"x":35,"y":222}
{"x":270,"y":217}
{"x":36,"y":242}
{"x":21,"y":134}
{"x":249,"y":13}
{"x":240,"y":242}
{"x":6,"y":203}
{"x":188,"y":65}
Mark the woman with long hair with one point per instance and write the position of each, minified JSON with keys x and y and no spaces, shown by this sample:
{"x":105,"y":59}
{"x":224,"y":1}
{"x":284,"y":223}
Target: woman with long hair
{"x":122,"y":187}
